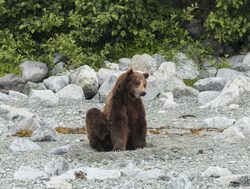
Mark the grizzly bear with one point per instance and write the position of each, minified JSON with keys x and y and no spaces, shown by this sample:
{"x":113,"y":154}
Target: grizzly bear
{"x":122,"y":124}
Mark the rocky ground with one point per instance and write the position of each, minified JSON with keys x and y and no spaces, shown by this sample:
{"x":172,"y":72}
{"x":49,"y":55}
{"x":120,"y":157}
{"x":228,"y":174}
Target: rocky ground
{"x":184,"y":151}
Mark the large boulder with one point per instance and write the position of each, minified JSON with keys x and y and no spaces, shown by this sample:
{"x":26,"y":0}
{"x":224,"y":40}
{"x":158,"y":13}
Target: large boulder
{"x":59,"y":69}
{"x":86,"y":78}
{"x":4,"y":97}
{"x":246,"y":59}
{"x":210,"y":84}
{"x":244,"y":63}
{"x":17,"y":96}
{"x":43,"y":98}
{"x":144,"y":63}
{"x":56,"y":83}
{"x":29,"y":86}
{"x":207,"y":96}
{"x":186,"y":68}
{"x":231,"y":93}
{"x":34,"y":71}
{"x":70,"y":92}
{"x":103,"y":74}
{"x":236,"y":60}
{"x":124,"y":63}
{"x":152,"y":89}
{"x":228,"y":74}
{"x":11,"y":82}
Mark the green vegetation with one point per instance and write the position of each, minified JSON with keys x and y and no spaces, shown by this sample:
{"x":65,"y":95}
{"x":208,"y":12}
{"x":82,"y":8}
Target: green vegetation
{"x":88,"y":32}
{"x":190,"y":82}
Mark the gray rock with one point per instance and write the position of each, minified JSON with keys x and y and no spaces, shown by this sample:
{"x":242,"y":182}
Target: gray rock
{"x":60,"y":150}
{"x":159,"y":59}
{"x":244,"y":125}
{"x":56,"y":83}
{"x":195,"y":28}
{"x":124,"y":63}
{"x":27,"y":173}
{"x":219,"y":122}
{"x":207,"y":96}
{"x":166,"y":70}
{"x":246,"y":59}
{"x":22,"y":118}
{"x":111,"y":66}
{"x":58,"y":184}
{"x":235,"y":181}
{"x":150,"y":174}
{"x":24,"y":145}
{"x":242,"y":67}
{"x":71,"y":92}
{"x":103,"y":74}
{"x":17,"y":96}
{"x":43,"y":98}
{"x":215,"y":45}
{"x":11,"y":82}
{"x":4,"y":97}
{"x":34,"y":71}
{"x":168,"y":99}
{"x":180,"y":91}
{"x":59,"y":69}
{"x":236,"y":59}
{"x":144,"y":63}
{"x":186,"y":68}
{"x":29,"y":86}
{"x":44,"y":133}
{"x":179,"y":182}
{"x":58,"y":57}
{"x":210,"y":84}
{"x":208,"y":72}
{"x":228,"y":74}
{"x":232,"y":134}
{"x":86,"y":78}
{"x":152,"y":89}
{"x":216,"y":172}
{"x":56,"y":167}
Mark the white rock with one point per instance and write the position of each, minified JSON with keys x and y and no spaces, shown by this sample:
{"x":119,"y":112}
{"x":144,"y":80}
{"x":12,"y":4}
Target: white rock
{"x":131,"y":170}
{"x":232,"y":134}
{"x":216,"y":172}
{"x":124,"y":63}
{"x":207,"y":96}
{"x":56,"y":167}
{"x":228,"y":74}
{"x":24,"y":145}
{"x":34,"y":71}
{"x":144,"y":63}
{"x":186,"y":68}
{"x":244,"y":125}
{"x":246,"y":59}
{"x":179,"y":182}
{"x":150,"y":174}
{"x":112,"y":66}
{"x":210,"y":84}
{"x":236,"y":59}
{"x":27,"y":173}
{"x":60,"y":150}
{"x":103,"y":74}
{"x":56,"y":83}
{"x":14,"y":95}
{"x":152,"y":89}
{"x":240,"y":181}
{"x":86,"y":78}
{"x":58,"y":184}
{"x":71,"y":92}
{"x":169,"y":101}
{"x":44,"y":133}
{"x":233,"y":106}
{"x":4,"y":97}
{"x":29,"y":86}
{"x":43,"y":98}
{"x":231,"y":93}
{"x":219,"y":122}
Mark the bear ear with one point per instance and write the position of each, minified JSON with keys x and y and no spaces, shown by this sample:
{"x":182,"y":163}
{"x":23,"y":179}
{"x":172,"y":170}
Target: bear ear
{"x":130,"y":71}
{"x":146,"y":75}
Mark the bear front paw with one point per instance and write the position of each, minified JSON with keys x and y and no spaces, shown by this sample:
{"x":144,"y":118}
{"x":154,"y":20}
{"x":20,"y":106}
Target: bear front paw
{"x":119,"y":147}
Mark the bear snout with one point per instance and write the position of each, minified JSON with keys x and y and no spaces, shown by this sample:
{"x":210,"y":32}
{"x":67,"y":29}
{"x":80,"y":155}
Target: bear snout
{"x":143,"y":93}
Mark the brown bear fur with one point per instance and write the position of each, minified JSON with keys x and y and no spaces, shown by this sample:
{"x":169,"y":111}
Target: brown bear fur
{"x":122,"y":124}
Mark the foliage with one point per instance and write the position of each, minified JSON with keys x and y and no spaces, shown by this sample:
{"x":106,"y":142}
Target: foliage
{"x":190,"y":82}
{"x":89,"y":32}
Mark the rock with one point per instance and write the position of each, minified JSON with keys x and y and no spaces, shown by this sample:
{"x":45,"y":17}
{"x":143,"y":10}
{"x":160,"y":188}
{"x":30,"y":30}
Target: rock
{"x":244,"y":125}
{"x":58,"y":184}
{"x":246,"y":59}
{"x":235,"y":181}
{"x":21,"y":118}
{"x":179,"y":182}
{"x":111,"y":66}
{"x":195,"y":28}
{"x":152,"y":89}
{"x":11,"y":82}
{"x":86,"y":78}
{"x":169,"y":101}
{"x":150,"y":174}
{"x":44,"y":133}
{"x":131,"y":170}
{"x":231,"y":93}
{"x":216,"y":172}
{"x":103,"y":74}
{"x":106,"y":87}
{"x":166,"y":70}
{"x":91,"y":173}
{"x":242,"y":67}
{"x":233,"y":106}
{"x":56,"y":167}
{"x":29,"y":86}
{"x":61,"y":150}
{"x":228,"y":74}
{"x":24,"y":145}
{"x":215,"y":45}
{"x":58,"y":57}
{"x":232,"y":134}
{"x":186,"y":68}
{"x":207,"y":96}
{"x":71,"y":92}
{"x":210,"y":84}
{"x":208,"y":72}
{"x":34,"y":71}
{"x":4,"y":97}
{"x":59,"y":69}
{"x":27,"y":173}
{"x":43,"y":98}
{"x":144,"y":63}
{"x":159,"y":59}
{"x":236,"y":59}
{"x":124,"y":63}
{"x":185,"y":91}
{"x":219,"y":122}
{"x":17,"y":96}
{"x":56,"y":83}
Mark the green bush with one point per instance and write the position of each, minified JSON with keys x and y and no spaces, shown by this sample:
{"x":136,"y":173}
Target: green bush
{"x":88,"y":32}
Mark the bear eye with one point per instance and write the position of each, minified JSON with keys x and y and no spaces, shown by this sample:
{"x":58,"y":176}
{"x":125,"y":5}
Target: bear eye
{"x":137,"y":82}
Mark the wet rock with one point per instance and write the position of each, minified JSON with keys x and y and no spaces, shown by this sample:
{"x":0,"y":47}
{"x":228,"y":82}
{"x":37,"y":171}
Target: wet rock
{"x":24,"y":145}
